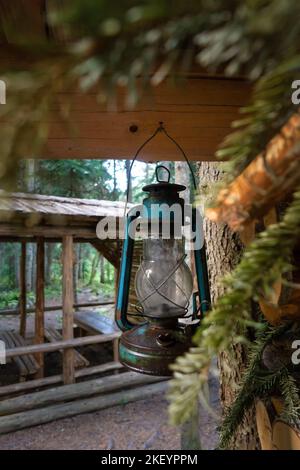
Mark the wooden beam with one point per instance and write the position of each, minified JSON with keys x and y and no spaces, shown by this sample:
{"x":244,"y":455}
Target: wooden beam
{"x":71,"y":343}
{"x":22,"y":283}
{"x":196,"y":111}
{"x":68,"y":316}
{"x":63,"y":410}
{"x":54,"y":379}
{"x":74,"y":392}
{"x":273,"y":174}
{"x":52,"y":308}
{"x":40,"y":304}
{"x":58,"y":231}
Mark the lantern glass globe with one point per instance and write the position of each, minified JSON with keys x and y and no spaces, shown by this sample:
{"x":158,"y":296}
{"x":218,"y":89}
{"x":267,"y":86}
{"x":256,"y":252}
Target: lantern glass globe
{"x":164,"y":281}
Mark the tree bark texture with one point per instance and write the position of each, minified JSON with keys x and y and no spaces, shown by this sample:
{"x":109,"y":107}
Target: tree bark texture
{"x":224,"y":250}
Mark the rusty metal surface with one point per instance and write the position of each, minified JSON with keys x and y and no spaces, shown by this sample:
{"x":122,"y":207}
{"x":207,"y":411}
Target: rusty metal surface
{"x":152,"y":348}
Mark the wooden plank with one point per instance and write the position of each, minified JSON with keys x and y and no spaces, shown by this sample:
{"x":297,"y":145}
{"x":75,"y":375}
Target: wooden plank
{"x":264,"y":426}
{"x":54,"y":379}
{"x":17,"y":358}
{"x":68,"y":301}
{"x":40,"y":304}
{"x":94,"y":323}
{"x":29,"y":361}
{"x":47,"y":231}
{"x":45,"y":415}
{"x":71,"y":343}
{"x":24,"y":203}
{"x":23,"y":301}
{"x":74,"y":391}
{"x":198,"y":113}
{"x":285,"y":436}
{"x":53,"y":308}
{"x":52,"y":335}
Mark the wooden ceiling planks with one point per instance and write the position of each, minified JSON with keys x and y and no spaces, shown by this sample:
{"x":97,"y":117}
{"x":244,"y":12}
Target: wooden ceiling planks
{"x":197,"y":112}
{"x":20,"y":19}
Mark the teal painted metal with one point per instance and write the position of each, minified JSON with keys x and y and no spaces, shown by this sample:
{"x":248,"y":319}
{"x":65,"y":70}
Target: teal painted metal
{"x":125,"y":274}
{"x":162,"y":197}
{"x":201,"y":271}
{"x":140,"y":347}
{"x":141,"y":350}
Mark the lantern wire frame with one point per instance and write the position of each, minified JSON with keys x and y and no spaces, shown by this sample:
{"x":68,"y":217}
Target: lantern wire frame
{"x":156,"y":289}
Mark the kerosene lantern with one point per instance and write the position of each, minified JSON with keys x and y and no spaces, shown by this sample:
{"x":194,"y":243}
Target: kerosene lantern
{"x":163,"y":283}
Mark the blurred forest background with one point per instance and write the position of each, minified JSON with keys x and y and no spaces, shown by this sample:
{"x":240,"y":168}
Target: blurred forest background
{"x":87,"y":179}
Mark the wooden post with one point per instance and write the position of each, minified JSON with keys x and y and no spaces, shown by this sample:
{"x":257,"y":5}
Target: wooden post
{"x":68,"y":302}
{"x":22,"y":301}
{"x":40,"y":303}
{"x":190,"y":433}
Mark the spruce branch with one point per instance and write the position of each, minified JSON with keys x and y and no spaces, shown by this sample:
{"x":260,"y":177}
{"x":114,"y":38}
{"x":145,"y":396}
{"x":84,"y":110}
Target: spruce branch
{"x":263,"y":262}
{"x":256,"y":382}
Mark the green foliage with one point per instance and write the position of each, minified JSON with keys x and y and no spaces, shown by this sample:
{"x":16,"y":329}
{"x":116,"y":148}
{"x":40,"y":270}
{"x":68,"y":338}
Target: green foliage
{"x":260,"y":266}
{"x":106,"y":289}
{"x":117,"y":42}
{"x":270,"y":108}
{"x":114,"y":44}
{"x":258,"y":382}
{"x":9,"y":299}
{"x":74,"y":178}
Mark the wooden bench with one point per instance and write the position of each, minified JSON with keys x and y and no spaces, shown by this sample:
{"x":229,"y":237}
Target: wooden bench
{"x":52,"y":335}
{"x":95,"y":323}
{"x":26,"y":364}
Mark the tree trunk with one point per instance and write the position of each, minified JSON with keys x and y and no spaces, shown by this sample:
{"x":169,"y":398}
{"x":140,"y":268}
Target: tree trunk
{"x":224,"y":250}
{"x":33,"y":265}
{"x":102,"y":270}
{"x":115,"y":181}
{"x":49,"y":252}
{"x":95,"y":263}
{"x":29,"y":185}
{"x":182,"y":176}
{"x":107,"y":269}
{"x":75,"y":274}
{"x":30,"y":175}
{"x":29,"y":263}
{"x":129,"y":179}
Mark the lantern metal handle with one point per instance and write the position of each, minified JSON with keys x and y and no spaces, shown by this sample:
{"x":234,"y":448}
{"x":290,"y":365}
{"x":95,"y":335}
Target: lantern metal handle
{"x":158,"y":167}
{"x":160,"y":128}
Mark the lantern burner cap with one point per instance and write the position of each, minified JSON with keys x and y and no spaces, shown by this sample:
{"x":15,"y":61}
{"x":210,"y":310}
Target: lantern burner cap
{"x":164,"y":186}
